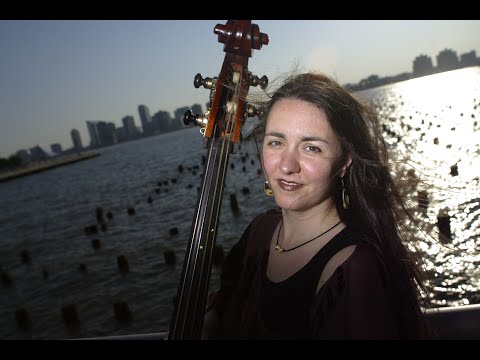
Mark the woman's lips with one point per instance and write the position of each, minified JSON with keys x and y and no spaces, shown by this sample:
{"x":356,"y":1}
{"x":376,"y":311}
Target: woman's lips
{"x":288,"y":185}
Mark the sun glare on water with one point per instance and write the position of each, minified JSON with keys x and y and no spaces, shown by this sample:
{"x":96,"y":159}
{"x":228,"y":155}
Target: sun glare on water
{"x":431,"y":126}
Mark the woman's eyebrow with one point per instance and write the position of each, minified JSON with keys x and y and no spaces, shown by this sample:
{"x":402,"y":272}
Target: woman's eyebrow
{"x":305,"y":138}
{"x":276,"y":134}
{"x":314,"y":138}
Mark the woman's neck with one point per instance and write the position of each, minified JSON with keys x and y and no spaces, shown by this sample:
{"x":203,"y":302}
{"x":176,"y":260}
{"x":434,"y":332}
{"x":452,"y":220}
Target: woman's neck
{"x":300,"y":225}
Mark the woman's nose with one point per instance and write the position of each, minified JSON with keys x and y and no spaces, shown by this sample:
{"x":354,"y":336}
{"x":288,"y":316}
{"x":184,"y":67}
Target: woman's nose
{"x":289,"y":162}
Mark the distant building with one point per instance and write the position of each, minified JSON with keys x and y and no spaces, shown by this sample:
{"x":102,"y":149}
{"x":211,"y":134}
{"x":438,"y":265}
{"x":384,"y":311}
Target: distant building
{"x":56,"y":148}
{"x":162,"y":122}
{"x":38,"y":154}
{"x":469,"y":59}
{"x":24,"y":155}
{"x":121,"y":134}
{"x":145,"y":119}
{"x":423,"y":65}
{"x":447,"y":60}
{"x":372,"y":80}
{"x":102,"y":133}
{"x":106,"y":133}
{"x":129,"y":126}
{"x":77,"y":141}
{"x":93,"y":132}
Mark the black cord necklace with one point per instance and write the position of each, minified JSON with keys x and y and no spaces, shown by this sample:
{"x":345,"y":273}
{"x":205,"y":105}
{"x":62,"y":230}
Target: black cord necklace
{"x":280,"y":249}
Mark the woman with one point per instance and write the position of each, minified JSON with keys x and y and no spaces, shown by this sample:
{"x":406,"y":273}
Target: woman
{"x":332,"y":261}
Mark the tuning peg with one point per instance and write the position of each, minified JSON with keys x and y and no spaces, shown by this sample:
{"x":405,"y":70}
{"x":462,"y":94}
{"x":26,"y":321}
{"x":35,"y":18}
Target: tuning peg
{"x":208,"y":83}
{"x":251,"y":111}
{"x":255,"y":80}
{"x":197,"y":119}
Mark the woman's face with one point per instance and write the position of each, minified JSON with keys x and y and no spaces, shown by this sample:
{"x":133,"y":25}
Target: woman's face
{"x":300,"y":154}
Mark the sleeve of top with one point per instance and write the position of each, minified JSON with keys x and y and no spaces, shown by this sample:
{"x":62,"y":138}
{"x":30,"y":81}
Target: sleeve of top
{"x":356,"y":302}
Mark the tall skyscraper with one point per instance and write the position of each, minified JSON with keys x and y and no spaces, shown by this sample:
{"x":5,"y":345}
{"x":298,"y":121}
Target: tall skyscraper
{"x":146,"y":119}
{"x":162,"y":121}
{"x":129,"y":126}
{"x":77,"y":141}
{"x":93,"y":132}
{"x":106,"y":133}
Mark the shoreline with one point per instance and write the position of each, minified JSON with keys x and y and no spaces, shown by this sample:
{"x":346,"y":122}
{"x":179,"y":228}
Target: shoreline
{"x":47,"y":164}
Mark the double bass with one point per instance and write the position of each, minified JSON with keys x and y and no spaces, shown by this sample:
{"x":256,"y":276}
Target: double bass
{"x":221,"y":128}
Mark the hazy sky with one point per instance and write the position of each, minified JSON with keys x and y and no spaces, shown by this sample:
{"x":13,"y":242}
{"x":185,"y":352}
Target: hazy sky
{"x":57,"y":74}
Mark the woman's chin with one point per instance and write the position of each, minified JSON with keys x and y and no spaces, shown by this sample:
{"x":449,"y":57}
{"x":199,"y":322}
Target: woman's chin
{"x":290,"y":204}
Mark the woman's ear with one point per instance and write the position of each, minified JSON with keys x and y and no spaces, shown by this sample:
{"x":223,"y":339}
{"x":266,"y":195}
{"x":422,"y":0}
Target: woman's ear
{"x":345,"y":166}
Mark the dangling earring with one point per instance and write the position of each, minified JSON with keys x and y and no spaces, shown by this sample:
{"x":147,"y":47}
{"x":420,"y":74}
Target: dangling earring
{"x":266,"y":186}
{"x":267,"y":189}
{"x":345,"y":198}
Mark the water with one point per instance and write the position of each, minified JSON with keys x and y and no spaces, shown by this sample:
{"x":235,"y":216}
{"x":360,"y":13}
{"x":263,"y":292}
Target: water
{"x":434,"y":119}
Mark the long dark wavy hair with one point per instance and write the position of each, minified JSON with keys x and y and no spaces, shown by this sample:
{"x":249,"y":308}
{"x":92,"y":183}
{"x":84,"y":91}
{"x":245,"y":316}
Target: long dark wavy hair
{"x":377,"y":203}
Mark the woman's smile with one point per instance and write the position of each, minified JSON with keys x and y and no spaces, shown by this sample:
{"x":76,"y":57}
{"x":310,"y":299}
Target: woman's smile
{"x":288,"y":185}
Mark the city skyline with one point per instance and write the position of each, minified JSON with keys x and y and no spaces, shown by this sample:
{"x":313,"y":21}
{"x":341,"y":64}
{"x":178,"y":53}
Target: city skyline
{"x":56,"y":75}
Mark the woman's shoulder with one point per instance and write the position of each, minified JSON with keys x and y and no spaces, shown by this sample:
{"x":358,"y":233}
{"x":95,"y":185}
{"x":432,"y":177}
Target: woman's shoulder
{"x":365,"y":262}
{"x":348,"y":251}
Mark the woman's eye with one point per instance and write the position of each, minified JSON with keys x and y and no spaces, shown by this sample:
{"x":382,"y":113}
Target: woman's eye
{"x":274,"y":143}
{"x":313,"y":149}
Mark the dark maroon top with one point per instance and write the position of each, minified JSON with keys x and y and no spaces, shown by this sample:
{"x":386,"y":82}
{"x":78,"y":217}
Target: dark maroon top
{"x":356,"y":302}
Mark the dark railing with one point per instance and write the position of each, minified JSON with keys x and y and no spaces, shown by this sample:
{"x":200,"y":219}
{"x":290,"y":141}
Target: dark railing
{"x":455,"y":322}
{"x":447,"y":323}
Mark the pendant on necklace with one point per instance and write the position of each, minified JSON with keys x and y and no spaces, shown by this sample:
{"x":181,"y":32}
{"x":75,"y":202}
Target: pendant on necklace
{"x":279,"y":248}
